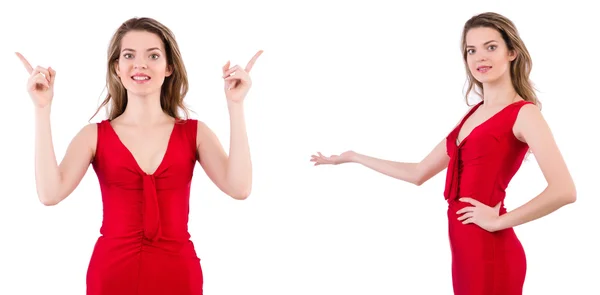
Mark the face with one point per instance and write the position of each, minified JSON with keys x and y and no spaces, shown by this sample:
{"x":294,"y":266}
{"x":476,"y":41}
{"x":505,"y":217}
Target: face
{"x":142,"y":64}
{"x":488,"y":56}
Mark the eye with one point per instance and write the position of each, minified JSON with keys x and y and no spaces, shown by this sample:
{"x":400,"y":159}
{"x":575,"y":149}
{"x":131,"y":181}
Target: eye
{"x":154,"y":56}
{"x":127,"y":55}
{"x":492,"y":47}
{"x":470,"y":51}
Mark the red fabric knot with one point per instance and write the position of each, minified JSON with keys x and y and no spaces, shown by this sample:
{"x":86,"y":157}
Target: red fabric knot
{"x":151,"y":212}
{"x":451,"y":190}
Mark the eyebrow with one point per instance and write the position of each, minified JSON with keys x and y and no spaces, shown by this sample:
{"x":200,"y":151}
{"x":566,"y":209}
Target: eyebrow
{"x":486,"y":43}
{"x":149,"y":49}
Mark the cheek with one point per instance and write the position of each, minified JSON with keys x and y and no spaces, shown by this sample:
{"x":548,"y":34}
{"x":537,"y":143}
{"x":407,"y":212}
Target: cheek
{"x":160,"y":67}
{"x":123,"y":67}
{"x":502,"y":61}
{"x":471,"y":63}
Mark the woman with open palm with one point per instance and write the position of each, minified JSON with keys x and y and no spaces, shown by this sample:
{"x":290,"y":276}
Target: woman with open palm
{"x":482,"y":153}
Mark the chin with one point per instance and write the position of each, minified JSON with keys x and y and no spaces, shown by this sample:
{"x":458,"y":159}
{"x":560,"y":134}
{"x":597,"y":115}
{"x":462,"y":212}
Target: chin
{"x":138,"y":90}
{"x":485,"y":78}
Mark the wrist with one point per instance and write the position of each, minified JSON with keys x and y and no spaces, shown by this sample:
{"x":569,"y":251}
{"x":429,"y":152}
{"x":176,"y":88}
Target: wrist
{"x":501,"y":223}
{"x":355,"y":157}
{"x":235,"y":106}
{"x":42,"y":111}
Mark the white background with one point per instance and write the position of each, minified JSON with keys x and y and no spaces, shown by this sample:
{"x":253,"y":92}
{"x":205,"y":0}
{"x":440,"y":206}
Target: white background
{"x":384,"y":79}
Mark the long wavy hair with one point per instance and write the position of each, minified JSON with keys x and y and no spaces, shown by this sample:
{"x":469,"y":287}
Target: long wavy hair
{"x":520,"y":68}
{"x":174,"y":88}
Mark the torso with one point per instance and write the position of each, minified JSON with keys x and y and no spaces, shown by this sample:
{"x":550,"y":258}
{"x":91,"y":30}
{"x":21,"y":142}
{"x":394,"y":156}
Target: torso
{"x":480,"y":116}
{"x":148,"y":145}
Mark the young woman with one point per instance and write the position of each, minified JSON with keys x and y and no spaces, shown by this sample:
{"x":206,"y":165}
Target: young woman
{"x":144,"y":156}
{"x":481,"y":154}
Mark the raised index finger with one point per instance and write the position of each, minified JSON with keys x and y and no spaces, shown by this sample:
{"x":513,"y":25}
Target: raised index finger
{"x":252,"y":61}
{"x":28,"y":67}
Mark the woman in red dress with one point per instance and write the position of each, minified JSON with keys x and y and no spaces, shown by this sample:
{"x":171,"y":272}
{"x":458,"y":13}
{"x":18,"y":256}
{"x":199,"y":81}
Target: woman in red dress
{"x":144,"y":156}
{"x":481,"y":154}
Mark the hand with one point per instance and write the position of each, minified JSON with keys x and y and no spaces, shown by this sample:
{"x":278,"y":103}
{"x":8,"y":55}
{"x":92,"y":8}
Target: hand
{"x":237,"y":80}
{"x":40,"y":84}
{"x":345,"y":157}
{"x":480,"y":214}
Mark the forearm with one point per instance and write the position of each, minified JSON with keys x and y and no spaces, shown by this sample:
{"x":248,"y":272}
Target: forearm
{"x":47,"y":173}
{"x":239,"y":165}
{"x":403,"y":171}
{"x":547,"y":202}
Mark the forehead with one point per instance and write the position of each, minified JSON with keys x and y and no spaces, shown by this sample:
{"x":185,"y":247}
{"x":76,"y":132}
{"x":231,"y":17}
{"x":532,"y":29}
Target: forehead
{"x":141,"y":40}
{"x":478,"y":36}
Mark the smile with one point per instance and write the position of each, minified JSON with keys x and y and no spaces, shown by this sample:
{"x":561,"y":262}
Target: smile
{"x":140,"y":78}
{"x":484,"y":69}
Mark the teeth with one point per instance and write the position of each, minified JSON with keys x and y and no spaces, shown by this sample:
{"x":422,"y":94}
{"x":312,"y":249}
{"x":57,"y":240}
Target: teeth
{"x":140,"y":78}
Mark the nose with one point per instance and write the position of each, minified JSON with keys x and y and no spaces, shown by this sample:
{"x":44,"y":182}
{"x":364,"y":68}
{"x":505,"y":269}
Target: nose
{"x":140,"y":63}
{"x":480,"y":56}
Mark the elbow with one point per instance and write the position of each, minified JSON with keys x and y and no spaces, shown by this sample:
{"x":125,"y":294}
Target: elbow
{"x":240,"y":193}
{"x":49,"y":197}
{"x":565,"y":195}
{"x":419,"y":179}
{"x":47,"y":201}
{"x":570,"y":196}
{"x":240,"y":188}
{"x":416,"y":175}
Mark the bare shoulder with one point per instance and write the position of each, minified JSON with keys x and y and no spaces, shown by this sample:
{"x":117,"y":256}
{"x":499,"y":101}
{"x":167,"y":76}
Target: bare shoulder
{"x":86,"y":138}
{"x":529,"y":119}
{"x":202,"y":126}
{"x":529,"y":109}
{"x":90,"y":133}
{"x":90,"y":129}
{"x":201,"y":129}
{"x":203,"y":133}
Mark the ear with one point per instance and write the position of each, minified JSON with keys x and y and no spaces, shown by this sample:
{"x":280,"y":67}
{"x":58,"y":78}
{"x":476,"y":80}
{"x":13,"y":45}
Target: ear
{"x":169,"y":71}
{"x":512,"y":55}
{"x":117,"y":69}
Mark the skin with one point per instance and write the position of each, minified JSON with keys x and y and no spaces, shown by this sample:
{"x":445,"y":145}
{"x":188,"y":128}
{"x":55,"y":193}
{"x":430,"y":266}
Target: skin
{"x":143,"y":127}
{"x":485,"y":47}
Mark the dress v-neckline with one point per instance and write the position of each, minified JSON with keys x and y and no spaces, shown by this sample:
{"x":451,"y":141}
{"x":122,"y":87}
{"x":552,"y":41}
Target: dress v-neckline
{"x":459,"y":143}
{"x":133,"y":158}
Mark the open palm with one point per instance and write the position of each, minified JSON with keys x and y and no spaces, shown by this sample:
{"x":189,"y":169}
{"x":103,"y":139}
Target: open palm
{"x":344,"y":157}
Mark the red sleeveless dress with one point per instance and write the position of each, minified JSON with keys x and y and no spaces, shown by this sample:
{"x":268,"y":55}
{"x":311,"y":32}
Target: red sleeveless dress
{"x":145,"y":247}
{"x":481,"y":167}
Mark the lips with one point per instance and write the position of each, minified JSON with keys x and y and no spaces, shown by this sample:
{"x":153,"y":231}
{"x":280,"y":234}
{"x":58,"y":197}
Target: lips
{"x":140,"y":77}
{"x":483,"y":69}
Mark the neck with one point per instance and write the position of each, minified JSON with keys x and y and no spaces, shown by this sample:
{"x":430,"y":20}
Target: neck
{"x":143,"y":110}
{"x":500,"y":92}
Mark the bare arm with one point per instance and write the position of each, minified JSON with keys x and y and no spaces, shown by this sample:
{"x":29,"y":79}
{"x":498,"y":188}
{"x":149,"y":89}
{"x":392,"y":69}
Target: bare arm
{"x":530,"y":127}
{"x":415,"y":173}
{"x":231,"y":174}
{"x":53,"y":182}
